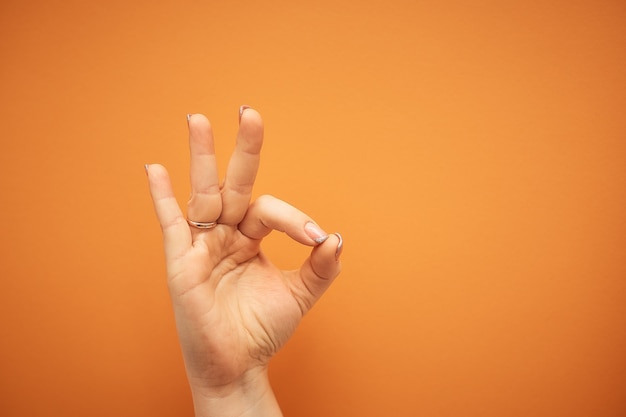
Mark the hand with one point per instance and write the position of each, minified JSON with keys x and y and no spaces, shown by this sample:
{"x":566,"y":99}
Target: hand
{"x":234,"y":309}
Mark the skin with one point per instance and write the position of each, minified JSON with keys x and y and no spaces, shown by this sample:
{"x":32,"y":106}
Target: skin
{"x":219,"y":280}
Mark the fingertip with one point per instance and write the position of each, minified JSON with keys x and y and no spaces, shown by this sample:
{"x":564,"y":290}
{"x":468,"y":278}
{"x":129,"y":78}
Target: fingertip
{"x":315,"y":233}
{"x":321,"y":268}
{"x":158,"y":180}
{"x":197,"y":119}
{"x":251,"y":124}
{"x":241,"y":110}
{"x":249,"y":114}
{"x":199,"y":133}
{"x":325,"y":257}
{"x":333,"y":245}
{"x":156,"y":171}
{"x":339,"y":247}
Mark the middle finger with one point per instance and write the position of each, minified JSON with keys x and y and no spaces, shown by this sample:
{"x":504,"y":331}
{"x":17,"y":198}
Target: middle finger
{"x":242,"y":168}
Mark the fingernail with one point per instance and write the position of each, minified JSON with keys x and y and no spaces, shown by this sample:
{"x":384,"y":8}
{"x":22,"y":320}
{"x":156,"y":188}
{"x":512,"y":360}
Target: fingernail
{"x":188,"y":117}
{"x":241,"y":110}
{"x":315,"y":233}
{"x":146,"y":168}
{"x":339,"y":246}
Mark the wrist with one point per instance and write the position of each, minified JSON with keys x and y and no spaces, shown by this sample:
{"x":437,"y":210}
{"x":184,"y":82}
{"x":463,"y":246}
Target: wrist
{"x":251,"y":395}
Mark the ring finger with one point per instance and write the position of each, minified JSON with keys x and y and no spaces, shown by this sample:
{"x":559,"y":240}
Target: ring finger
{"x":205,"y":202}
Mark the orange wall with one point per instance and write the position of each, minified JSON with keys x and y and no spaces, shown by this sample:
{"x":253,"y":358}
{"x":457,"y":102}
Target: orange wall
{"x":472,"y":153}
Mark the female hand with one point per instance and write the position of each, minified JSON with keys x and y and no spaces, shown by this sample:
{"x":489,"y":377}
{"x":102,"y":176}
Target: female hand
{"x":234,"y":309}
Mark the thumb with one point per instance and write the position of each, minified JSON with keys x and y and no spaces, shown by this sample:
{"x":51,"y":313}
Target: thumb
{"x":319,"y":270}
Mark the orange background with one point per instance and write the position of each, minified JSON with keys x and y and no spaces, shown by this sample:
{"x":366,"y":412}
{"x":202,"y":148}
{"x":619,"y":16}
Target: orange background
{"x":471,"y":153}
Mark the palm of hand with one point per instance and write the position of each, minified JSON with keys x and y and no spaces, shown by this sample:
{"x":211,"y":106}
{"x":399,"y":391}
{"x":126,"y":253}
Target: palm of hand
{"x":229,"y":297}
